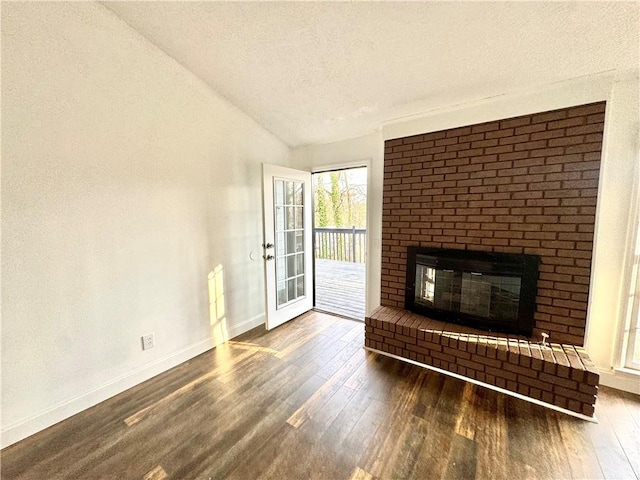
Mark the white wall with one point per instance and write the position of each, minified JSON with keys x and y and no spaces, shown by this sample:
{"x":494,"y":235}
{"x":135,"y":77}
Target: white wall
{"x":125,"y":182}
{"x":362,"y":151}
{"x":614,"y":222}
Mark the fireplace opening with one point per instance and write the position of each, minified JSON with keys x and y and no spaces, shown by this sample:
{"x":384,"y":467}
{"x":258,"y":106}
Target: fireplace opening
{"x":485,"y":290}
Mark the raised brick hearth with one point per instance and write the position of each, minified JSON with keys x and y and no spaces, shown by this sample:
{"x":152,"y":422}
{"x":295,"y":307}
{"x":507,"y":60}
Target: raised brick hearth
{"x":559,"y":375}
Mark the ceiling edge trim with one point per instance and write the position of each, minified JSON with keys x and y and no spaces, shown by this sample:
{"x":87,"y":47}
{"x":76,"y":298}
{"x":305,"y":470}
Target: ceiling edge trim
{"x":576,"y":91}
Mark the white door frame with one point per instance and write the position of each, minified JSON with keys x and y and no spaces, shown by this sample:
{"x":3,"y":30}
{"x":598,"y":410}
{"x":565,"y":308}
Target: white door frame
{"x":365,"y":162}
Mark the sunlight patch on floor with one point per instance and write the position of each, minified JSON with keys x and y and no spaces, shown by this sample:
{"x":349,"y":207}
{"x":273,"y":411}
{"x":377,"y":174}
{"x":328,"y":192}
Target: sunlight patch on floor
{"x":252,"y":347}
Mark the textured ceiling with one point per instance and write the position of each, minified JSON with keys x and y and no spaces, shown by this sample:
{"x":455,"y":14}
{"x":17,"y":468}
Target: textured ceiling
{"x":313,"y":72}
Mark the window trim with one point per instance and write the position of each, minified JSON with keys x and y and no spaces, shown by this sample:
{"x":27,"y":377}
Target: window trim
{"x":631,"y":329}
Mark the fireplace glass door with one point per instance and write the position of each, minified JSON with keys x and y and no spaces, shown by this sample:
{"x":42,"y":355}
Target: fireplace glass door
{"x":491,"y":296}
{"x":486,"y":290}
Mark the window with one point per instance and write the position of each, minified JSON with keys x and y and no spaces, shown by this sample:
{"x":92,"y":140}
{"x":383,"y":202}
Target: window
{"x":631,"y":341}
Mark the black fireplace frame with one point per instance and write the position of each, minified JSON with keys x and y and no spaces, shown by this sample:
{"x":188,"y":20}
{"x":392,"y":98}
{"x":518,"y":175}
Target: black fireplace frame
{"x":523,"y":266}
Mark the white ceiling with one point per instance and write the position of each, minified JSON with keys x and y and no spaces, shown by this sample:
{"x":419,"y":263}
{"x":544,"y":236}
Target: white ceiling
{"x":313,"y":72}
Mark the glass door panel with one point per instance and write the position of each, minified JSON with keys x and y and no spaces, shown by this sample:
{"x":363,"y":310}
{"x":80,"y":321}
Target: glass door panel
{"x":289,"y":235}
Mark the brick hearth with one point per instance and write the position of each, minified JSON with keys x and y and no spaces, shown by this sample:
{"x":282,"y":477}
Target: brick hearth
{"x":559,"y":375}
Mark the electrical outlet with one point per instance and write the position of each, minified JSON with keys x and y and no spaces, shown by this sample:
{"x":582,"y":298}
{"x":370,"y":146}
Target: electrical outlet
{"x":148,"y":341}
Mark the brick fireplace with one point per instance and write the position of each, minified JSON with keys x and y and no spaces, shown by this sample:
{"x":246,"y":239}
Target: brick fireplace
{"x":524,"y":185}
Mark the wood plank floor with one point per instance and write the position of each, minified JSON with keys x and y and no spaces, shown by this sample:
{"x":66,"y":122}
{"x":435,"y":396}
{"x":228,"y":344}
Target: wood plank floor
{"x":307,"y":401}
{"x":340,"y":287}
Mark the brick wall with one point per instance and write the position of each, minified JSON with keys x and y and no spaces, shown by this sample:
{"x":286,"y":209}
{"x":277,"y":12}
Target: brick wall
{"x":521,"y":185}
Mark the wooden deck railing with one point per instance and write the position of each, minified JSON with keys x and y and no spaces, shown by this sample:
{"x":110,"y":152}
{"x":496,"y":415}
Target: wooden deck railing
{"x":344,"y":244}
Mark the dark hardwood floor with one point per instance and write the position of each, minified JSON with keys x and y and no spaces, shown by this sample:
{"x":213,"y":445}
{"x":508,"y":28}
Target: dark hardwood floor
{"x":307,"y":401}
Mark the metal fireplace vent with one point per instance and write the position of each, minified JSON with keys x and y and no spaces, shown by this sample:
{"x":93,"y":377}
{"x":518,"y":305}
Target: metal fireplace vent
{"x":485,"y":290}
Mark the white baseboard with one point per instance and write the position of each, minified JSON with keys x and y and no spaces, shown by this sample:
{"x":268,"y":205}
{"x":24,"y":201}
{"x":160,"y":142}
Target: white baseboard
{"x":247,"y":325}
{"x":620,"y":380}
{"x":65,"y":409}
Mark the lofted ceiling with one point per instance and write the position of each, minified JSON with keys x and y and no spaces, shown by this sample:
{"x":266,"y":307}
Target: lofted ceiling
{"x":317,"y":72}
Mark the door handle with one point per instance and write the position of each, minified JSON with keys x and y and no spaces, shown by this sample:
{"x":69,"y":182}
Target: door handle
{"x":268,"y":245}
{"x":268,"y":257}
